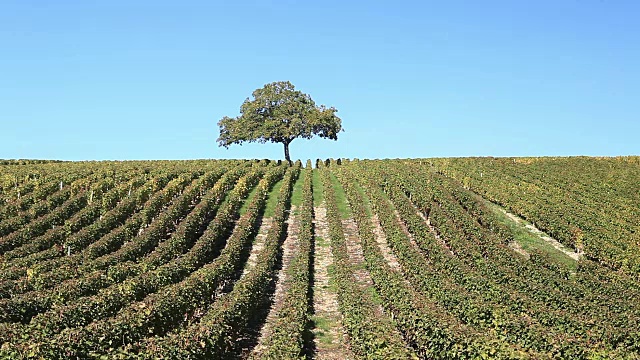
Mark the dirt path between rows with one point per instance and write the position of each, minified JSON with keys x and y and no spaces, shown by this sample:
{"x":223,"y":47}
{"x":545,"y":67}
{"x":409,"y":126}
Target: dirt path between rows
{"x":412,"y":239}
{"x":434,"y":232}
{"x":381,"y":240}
{"x":330,"y":338}
{"x":356,"y":257}
{"x":290,"y":247}
{"x":360,"y":272}
{"x":542,"y":235}
{"x":515,"y":246}
{"x":258,"y":245}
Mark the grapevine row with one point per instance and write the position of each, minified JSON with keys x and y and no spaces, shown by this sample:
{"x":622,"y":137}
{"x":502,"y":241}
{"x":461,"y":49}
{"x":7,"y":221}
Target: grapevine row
{"x":213,"y":336}
{"x":287,"y":340}
{"x":370,"y":335}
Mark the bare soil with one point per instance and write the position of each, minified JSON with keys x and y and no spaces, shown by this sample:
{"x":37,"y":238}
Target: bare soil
{"x":542,"y":235}
{"x":356,"y":258}
{"x":405,"y":230}
{"x":289,"y":250}
{"x":381,"y":239}
{"x":330,"y":339}
{"x":258,"y":244}
{"x":515,"y":246}
{"x":354,"y":249}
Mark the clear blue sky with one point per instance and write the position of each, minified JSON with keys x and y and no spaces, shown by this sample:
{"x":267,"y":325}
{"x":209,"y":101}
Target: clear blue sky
{"x":150,"y":79}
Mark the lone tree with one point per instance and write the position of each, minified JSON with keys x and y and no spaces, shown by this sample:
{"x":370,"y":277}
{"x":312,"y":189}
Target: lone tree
{"x":279,"y":113}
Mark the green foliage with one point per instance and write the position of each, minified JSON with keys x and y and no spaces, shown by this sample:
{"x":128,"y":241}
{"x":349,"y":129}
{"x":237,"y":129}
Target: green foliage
{"x":530,"y":241}
{"x":272,"y":200}
{"x":145,"y":259}
{"x":471,"y":272}
{"x":588,"y":204}
{"x":297,"y":193}
{"x":341,"y":199}
{"x":318,"y":194}
{"x":287,"y":339}
{"x":278,"y":113}
{"x":228,"y":318}
{"x":371,"y":336}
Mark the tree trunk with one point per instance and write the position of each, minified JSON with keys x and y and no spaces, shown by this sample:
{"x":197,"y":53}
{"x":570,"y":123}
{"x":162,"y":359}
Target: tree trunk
{"x":286,"y":152}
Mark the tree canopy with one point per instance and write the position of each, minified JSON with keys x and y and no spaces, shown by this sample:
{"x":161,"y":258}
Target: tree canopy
{"x":279,"y":113}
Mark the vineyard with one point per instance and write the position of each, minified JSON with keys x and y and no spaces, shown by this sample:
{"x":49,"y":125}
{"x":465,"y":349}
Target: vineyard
{"x":448,"y":258}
